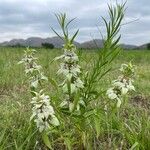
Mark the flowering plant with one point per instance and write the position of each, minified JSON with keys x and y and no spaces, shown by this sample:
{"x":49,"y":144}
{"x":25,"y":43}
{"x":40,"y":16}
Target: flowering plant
{"x":123,"y":84}
{"x":80,"y":104}
{"x":69,"y":67}
{"x":43,"y":112}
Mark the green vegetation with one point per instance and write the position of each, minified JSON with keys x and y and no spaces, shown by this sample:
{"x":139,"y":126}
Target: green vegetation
{"x":80,"y":100}
{"x":148,"y":46}
{"x":131,"y":129}
{"x":47,"y":45}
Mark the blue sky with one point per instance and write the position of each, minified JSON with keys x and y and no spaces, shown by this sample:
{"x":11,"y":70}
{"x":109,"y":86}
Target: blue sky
{"x":26,"y":18}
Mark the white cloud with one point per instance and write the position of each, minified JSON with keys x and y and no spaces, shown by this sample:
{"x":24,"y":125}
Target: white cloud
{"x":25,"y":18}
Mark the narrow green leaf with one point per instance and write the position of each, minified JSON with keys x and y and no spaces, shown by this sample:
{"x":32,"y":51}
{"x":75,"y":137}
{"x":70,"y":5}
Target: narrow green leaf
{"x":46,"y":140}
{"x":134,"y":146}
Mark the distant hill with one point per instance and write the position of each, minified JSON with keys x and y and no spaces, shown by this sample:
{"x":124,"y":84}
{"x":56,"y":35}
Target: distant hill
{"x":36,"y":42}
{"x":144,"y":46}
{"x":96,"y":43}
{"x":127,"y":46}
{"x":58,"y":43}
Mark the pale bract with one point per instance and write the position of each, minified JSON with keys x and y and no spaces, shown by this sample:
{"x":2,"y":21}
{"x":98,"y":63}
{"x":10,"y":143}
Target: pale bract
{"x":111,"y":94}
{"x":32,"y":68}
{"x":122,"y":85}
{"x":71,"y":71}
{"x":43,"y":112}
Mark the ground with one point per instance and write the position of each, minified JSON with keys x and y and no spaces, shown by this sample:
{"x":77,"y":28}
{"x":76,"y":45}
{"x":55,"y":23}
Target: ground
{"x":15,"y":108}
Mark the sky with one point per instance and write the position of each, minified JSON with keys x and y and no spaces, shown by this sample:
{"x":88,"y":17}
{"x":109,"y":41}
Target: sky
{"x":34,"y":18}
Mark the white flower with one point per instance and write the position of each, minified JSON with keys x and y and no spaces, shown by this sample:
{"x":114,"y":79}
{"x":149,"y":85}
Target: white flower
{"x":70,"y":69}
{"x":122,"y":85}
{"x":43,"y":112}
{"x":111,"y":94}
{"x":32,"y":68}
{"x":43,"y":77}
{"x":124,"y":90}
{"x":63,"y":69}
{"x":34,"y":83}
{"x":118,"y":83}
{"x":75,"y":70}
{"x":130,"y":86}
{"x":123,"y":67}
{"x":79,"y":83}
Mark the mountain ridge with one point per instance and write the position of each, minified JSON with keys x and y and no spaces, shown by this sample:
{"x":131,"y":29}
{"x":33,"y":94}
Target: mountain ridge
{"x":58,"y":43}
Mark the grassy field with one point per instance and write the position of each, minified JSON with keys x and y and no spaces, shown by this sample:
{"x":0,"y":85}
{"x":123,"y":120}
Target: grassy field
{"x":16,"y":131}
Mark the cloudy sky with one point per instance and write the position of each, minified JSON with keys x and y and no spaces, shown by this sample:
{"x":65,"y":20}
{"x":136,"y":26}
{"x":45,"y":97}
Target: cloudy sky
{"x":28,"y":18}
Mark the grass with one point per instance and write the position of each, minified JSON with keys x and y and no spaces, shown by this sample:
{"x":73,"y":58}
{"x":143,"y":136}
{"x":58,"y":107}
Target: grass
{"x":131,"y":131}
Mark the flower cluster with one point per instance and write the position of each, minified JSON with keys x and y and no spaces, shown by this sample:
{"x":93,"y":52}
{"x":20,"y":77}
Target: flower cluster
{"x":71,"y":71}
{"x":32,"y":68}
{"x":122,"y":85}
{"x":43,"y":112}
